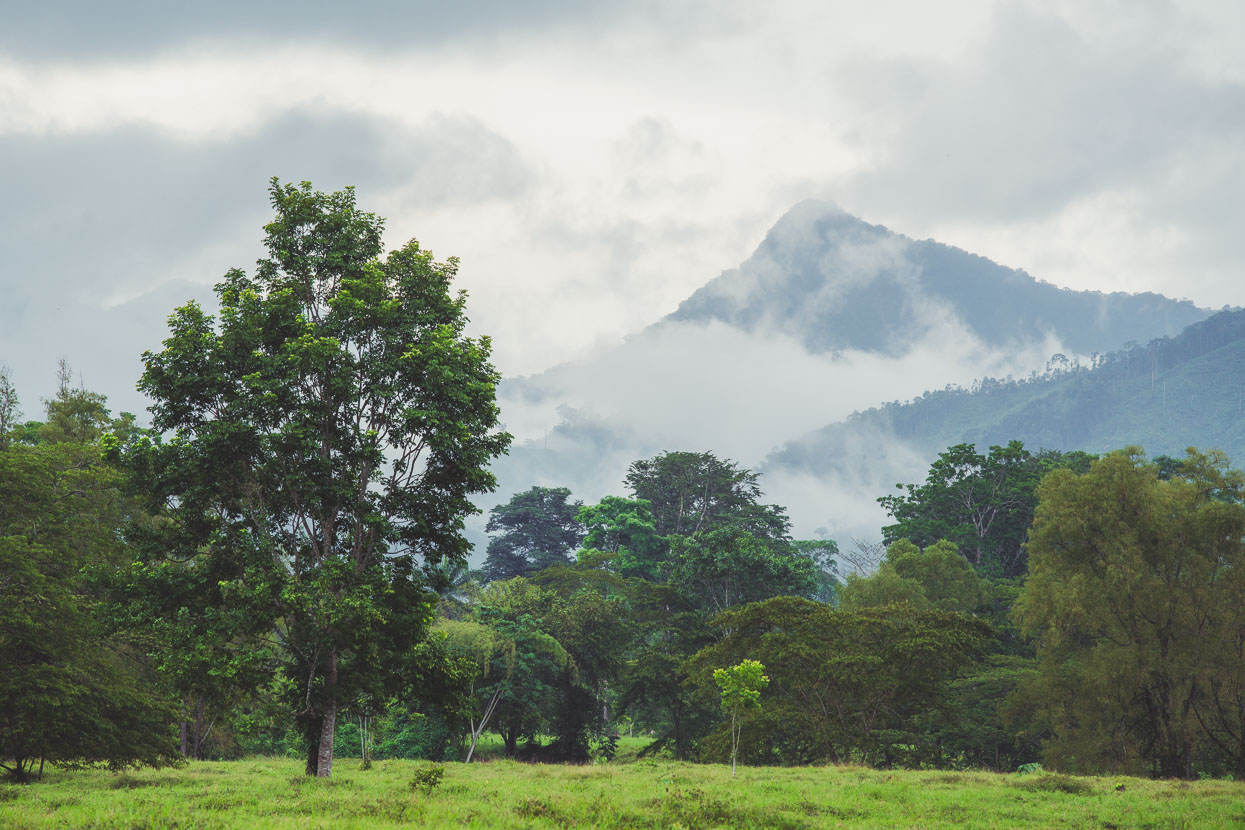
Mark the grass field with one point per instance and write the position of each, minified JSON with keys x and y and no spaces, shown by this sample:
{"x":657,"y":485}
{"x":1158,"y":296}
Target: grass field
{"x":272,"y":793}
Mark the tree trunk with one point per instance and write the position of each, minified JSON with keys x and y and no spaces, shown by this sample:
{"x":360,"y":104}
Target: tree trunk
{"x":313,"y":755}
{"x":310,"y":725}
{"x":734,"y":743}
{"x":196,"y":747}
{"x":324,"y":761}
{"x":510,"y":735}
{"x":183,"y":737}
{"x":324,"y":758}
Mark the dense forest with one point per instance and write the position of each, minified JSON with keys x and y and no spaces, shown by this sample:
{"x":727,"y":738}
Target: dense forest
{"x":277,"y":566}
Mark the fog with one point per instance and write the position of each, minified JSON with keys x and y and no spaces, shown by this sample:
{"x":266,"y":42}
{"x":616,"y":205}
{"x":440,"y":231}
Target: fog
{"x":712,"y":387}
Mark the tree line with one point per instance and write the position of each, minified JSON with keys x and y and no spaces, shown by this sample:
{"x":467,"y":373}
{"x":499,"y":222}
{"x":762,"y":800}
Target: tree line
{"x":277,"y":565}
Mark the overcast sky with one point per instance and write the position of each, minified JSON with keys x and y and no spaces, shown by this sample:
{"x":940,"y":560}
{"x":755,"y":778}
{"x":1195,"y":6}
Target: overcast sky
{"x":592,"y":164}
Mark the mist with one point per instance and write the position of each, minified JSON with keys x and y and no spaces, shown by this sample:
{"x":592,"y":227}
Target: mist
{"x":713,"y":387}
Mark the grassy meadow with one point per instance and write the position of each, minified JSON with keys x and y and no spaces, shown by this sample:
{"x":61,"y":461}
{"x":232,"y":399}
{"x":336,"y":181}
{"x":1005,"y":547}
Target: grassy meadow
{"x":273,"y":793}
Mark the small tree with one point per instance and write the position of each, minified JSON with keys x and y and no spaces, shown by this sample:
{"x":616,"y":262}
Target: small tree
{"x":741,"y":690}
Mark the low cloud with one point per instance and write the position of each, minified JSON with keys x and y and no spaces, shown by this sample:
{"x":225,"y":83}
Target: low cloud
{"x":738,"y":394}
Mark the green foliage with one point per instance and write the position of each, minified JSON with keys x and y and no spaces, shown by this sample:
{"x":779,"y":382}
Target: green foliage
{"x":886,"y":587}
{"x":326,"y":435}
{"x":626,"y":529}
{"x":71,"y":692}
{"x":1134,"y":598}
{"x":740,"y":688}
{"x":402,"y":733}
{"x":428,"y":779}
{"x":652,"y":685}
{"x":937,"y":577}
{"x":536,"y":529}
{"x":727,"y":565}
{"x":982,"y":504}
{"x":521,"y":670}
{"x":10,"y":407}
{"x":845,"y":685}
{"x":976,"y":729}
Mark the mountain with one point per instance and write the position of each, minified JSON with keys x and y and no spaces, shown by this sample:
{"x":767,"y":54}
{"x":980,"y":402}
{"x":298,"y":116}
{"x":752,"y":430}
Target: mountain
{"x":830,"y":315}
{"x":1167,"y":395}
{"x":838,"y":282}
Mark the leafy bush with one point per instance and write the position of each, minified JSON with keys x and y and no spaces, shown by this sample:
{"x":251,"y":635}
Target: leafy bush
{"x":427,"y":779}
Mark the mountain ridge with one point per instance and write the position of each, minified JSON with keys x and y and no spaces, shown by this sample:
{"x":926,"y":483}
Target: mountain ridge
{"x":1171,"y":393}
{"x":844,"y":279}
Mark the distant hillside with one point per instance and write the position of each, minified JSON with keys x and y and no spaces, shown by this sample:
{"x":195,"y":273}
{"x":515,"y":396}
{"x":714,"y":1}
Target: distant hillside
{"x":1170,"y":394}
{"x":837,"y":282}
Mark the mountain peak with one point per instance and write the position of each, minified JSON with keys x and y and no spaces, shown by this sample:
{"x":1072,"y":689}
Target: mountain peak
{"x":835,"y":281}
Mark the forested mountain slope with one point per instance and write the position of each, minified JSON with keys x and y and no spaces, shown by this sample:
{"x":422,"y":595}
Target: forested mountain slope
{"x":1167,"y":395}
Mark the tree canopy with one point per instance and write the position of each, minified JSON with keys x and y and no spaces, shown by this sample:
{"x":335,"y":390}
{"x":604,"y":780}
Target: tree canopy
{"x":537,"y":528}
{"x":1134,"y":598}
{"x":845,"y":686}
{"x":983,"y":504}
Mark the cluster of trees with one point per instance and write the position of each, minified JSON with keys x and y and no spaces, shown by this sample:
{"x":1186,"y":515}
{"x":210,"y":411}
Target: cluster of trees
{"x":1080,"y":611}
{"x":72,"y":688}
{"x":625,"y":591}
{"x":278,"y":565}
{"x":1118,"y":627}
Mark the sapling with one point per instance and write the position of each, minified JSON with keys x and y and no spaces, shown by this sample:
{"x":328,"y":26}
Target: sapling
{"x":741,"y":690}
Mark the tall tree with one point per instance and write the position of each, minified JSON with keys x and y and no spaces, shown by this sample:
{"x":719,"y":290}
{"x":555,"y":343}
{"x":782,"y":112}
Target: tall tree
{"x":327,"y":432}
{"x":690,"y":492}
{"x":536,"y":528}
{"x":1134,"y":597}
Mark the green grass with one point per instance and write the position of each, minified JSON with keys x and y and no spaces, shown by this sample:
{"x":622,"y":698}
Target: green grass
{"x":272,"y":793}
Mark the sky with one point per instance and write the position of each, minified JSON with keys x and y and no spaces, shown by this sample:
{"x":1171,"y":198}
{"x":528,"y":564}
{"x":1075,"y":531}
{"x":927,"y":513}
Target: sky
{"x":592,"y":164}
